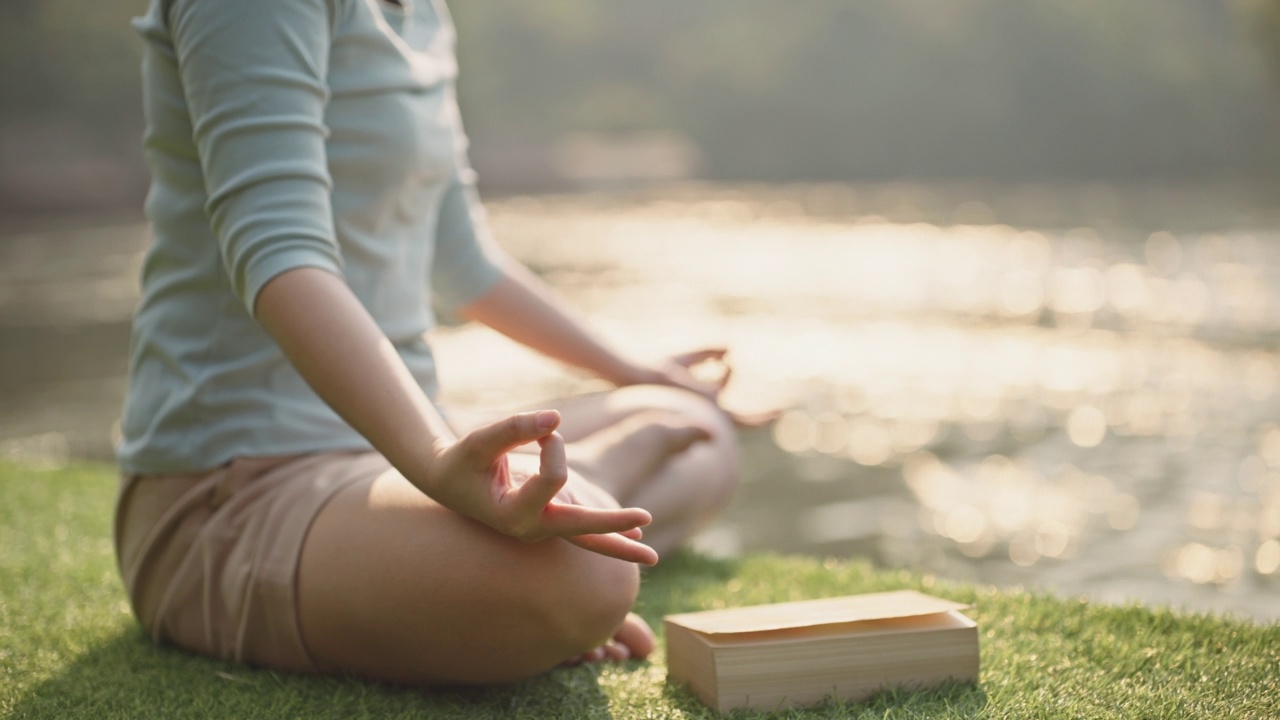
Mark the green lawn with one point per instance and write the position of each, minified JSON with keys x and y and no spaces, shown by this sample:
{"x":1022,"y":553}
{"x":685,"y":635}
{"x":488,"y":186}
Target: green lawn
{"x":69,"y":648}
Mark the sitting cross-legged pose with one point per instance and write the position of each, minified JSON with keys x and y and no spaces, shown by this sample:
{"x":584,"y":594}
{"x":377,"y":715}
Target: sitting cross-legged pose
{"x":291,"y":496}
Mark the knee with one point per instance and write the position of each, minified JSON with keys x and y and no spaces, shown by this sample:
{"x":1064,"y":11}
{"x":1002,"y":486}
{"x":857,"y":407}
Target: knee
{"x":721,"y":467}
{"x":591,"y":599}
{"x":690,"y":407}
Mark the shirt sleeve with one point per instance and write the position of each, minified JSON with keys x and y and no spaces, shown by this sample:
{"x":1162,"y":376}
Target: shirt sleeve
{"x":254,"y":79}
{"x":467,"y":260}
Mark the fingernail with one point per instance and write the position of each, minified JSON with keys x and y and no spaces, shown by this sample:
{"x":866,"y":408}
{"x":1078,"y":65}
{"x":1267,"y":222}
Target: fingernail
{"x":546,"y":419}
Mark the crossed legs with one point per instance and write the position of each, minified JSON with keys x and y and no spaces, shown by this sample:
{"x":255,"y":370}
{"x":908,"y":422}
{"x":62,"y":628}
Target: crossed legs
{"x":668,"y":451}
{"x":396,"y":587}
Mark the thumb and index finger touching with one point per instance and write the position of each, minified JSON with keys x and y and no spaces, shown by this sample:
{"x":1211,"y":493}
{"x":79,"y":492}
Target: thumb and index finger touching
{"x":537,"y":494}
{"x":699,"y":356}
{"x":491,"y":442}
{"x":712,"y":388}
{"x":497,"y":439}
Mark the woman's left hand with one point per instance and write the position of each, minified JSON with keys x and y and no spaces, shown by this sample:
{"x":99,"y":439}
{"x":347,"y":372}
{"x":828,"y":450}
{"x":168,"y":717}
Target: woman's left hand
{"x":678,"y":371}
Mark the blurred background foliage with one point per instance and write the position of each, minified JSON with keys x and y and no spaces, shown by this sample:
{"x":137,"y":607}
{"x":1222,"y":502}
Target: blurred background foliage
{"x":832,"y":89}
{"x":1115,"y":90}
{"x":1261,"y":18}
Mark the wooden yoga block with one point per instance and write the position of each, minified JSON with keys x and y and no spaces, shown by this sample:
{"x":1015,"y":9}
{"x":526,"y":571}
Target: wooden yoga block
{"x":801,"y":653}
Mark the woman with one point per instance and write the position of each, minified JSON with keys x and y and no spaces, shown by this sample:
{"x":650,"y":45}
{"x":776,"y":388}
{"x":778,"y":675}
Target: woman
{"x":291,"y":496}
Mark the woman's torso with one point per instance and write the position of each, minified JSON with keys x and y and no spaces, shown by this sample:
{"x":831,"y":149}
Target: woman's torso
{"x":207,"y":384}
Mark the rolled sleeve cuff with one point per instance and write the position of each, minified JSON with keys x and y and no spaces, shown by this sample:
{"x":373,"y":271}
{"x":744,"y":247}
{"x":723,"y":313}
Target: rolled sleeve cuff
{"x":469,"y":275}
{"x":280,"y":258}
{"x":468,"y":263}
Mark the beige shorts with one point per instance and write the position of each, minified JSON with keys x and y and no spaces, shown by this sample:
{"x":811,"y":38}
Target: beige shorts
{"x":210,"y":561}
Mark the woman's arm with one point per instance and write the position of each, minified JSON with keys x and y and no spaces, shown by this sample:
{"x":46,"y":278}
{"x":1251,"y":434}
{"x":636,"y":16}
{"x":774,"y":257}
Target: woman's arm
{"x":338,"y":348}
{"x":522,"y":307}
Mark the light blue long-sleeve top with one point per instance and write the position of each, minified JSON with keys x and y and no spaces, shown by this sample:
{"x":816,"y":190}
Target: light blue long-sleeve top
{"x":285,"y":134}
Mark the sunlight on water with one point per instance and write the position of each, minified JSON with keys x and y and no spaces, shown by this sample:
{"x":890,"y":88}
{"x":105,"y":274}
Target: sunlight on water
{"x":1268,"y":557}
{"x":1039,"y":395}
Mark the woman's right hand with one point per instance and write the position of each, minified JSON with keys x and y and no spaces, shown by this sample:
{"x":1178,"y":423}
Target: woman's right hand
{"x":475,"y":477}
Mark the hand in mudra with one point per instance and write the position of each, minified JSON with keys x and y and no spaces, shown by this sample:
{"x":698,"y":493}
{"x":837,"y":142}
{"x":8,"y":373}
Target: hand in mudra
{"x":679,"y":371}
{"x":477,"y":477}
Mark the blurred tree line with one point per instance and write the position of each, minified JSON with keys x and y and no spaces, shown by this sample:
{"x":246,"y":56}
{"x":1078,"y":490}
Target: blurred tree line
{"x":820,"y":89}
{"x":836,"y":89}
{"x":1261,"y":19}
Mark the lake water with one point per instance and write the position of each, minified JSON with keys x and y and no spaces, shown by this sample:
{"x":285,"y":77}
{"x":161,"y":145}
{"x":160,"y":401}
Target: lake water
{"x":1076,"y":389}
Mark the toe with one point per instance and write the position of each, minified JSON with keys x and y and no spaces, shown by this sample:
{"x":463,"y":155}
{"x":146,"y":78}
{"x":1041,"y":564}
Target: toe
{"x":636,"y":636}
{"x":617,"y":652}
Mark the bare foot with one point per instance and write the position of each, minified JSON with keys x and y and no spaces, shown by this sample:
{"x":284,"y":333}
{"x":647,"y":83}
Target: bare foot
{"x":619,"y":458}
{"x":633,"y":640}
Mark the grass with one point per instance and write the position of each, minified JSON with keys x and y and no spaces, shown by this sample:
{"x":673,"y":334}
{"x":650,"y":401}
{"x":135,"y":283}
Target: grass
{"x":69,"y":648}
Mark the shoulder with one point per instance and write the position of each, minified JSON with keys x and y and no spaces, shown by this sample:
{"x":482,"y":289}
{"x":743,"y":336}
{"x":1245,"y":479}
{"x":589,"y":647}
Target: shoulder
{"x":177,"y":11}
